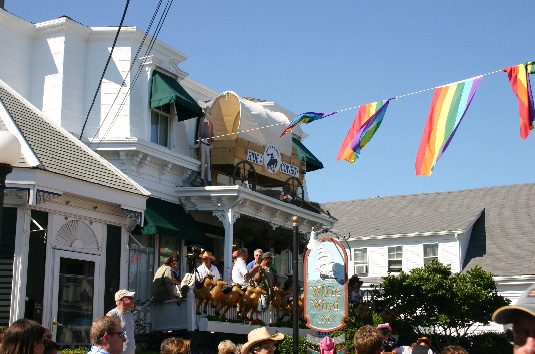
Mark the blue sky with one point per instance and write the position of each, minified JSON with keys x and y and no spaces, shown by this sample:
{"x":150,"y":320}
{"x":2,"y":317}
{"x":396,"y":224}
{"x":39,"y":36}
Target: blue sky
{"x":329,"y":55}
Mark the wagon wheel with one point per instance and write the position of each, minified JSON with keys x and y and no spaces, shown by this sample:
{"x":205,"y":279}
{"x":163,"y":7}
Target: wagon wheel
{"x":245,"y":175}
{"x":293,"y":191}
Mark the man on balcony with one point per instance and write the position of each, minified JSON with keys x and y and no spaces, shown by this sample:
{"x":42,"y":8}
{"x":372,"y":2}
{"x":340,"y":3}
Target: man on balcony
{"x":240,"y":274}
{"x":207,"y":268}
{"x":258,"y":255}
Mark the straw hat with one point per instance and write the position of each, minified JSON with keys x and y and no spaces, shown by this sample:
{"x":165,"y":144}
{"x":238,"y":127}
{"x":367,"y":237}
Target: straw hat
{"x":207,"y":255}
{"x":258,"y":335}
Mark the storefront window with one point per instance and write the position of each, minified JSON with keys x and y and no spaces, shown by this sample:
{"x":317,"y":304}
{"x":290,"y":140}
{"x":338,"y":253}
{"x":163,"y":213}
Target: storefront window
{"x":141,"y":266}
{"x":168,"y":246}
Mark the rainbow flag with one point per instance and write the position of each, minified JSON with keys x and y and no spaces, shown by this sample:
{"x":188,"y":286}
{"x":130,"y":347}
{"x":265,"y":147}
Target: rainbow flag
{"x":366,"y":123}
{"x":519,"y":79}
{"x":306,"y":118}
{"x":448,"y":108}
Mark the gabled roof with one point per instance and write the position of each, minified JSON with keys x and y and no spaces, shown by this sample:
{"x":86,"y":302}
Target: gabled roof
{"x":58,"y":150}
{"x":501,"y":237}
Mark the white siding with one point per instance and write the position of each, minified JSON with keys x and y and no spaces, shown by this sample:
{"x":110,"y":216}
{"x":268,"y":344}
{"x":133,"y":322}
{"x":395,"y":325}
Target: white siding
{"x":413,"y":255}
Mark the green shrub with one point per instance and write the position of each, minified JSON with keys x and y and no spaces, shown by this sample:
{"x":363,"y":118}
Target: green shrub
{"x":286,"y":346}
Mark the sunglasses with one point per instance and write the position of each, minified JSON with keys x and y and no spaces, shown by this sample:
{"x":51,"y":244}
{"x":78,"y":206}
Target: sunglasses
{"x":121,"y":334}
{"x":518,"y":336}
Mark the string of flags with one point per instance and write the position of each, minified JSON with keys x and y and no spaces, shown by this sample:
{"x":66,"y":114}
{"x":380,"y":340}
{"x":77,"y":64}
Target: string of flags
{"x":448,"y":108}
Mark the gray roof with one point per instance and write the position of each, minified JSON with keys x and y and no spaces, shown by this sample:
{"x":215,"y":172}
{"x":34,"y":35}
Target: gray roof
{"x":500,"y":237}
{"x":60,"y":152}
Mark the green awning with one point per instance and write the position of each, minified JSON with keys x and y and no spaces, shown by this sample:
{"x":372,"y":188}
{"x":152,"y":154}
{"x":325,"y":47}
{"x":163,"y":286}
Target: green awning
{"x":165,"y":90}
{"x":170,"y":219}
{"x":304,"y":154}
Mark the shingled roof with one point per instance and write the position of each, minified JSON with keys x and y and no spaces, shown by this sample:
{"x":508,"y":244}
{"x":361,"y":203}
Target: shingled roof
{"x":58,"y":150}
{"x":500,"y":238}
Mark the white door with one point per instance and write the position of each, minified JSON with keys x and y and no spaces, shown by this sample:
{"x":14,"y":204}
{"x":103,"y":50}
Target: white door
{"x":74,"y":299}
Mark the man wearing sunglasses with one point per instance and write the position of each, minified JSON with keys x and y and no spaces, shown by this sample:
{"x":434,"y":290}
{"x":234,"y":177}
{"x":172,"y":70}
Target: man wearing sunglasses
{"x":106,"y":336}
{"x":522,"y":318}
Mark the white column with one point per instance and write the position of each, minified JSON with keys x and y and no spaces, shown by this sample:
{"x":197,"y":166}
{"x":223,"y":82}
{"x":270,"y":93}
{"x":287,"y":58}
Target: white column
{"x":20,"y":265}
{"x":228,"y":217}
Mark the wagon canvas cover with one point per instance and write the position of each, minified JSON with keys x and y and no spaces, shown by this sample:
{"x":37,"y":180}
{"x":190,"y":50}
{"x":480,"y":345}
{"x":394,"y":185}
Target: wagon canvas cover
{"x":231,"y":114}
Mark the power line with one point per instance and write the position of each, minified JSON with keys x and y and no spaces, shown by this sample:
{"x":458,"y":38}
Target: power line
{"x":106,"y":67}
{"x":140,"y":68}
{"x":130,"y":69}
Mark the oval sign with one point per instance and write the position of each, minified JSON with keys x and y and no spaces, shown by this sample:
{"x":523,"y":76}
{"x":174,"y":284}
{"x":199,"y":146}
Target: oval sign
{"x":272,"y":159}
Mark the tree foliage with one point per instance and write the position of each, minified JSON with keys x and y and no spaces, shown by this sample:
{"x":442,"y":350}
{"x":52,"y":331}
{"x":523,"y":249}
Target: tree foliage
{"x":434,"y":301}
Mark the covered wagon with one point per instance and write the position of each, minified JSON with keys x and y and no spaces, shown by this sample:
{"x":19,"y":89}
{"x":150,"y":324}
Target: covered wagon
{"x":248,"y":147}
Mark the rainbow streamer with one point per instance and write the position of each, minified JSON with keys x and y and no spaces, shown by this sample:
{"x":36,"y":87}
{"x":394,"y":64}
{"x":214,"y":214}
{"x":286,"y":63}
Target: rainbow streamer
{"x":448,"y":108}
{"x":366,"y":123}
{"x":519,"y":79}
{"x":306,"y":118}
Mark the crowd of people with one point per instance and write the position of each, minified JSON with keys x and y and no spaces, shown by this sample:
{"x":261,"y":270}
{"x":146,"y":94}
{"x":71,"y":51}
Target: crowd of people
{"x":114,"y":333}
{"x":259,"y":272}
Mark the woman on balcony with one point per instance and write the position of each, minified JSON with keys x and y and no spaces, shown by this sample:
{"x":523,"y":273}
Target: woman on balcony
{"x":207,"y":268}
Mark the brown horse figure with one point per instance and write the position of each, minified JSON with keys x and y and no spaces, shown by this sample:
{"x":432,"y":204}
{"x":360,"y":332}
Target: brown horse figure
{"x":245,"y":299}
{"x":216,"y":293}
{"x":276,"y":301}
{"x":229,"y":300}
{"x":252,"y":307}
{"x":203,"y":294}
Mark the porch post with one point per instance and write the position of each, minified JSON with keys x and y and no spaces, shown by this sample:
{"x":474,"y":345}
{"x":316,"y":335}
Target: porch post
{"x":228,"y":217}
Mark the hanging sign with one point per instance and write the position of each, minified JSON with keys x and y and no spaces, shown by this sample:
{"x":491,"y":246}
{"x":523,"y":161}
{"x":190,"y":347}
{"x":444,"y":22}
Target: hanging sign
{"x":326,"y":286}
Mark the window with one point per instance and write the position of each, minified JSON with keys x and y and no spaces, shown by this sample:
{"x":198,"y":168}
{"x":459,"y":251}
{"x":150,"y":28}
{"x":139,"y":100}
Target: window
{"x":395,"y":256}
{"x":360,"y":257}
{"x":430,"y":252}
{"x":141,"y":267}
{"x":159,"y":124}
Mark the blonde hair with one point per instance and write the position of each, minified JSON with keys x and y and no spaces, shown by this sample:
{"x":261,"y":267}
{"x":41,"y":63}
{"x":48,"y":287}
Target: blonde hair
{"x":175,"y":346}
{"x":226,"y":346}
{"x":238,"y":348}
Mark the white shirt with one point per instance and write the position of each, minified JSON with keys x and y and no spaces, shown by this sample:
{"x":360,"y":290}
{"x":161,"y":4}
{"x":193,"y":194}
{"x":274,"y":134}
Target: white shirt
{"x":238,"y":272}
{"x":204,"y":272}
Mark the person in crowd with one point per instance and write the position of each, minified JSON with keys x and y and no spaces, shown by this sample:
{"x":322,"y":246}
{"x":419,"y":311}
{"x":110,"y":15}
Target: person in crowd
{"x":106,"y":336}
{"x":162,"y":284}
{"x":522,"y":318}
{"x":51,"y":347}
{"x":423,"y":346}
{"x":238,"y":348}
{"x":124,"y":300}
{"x":264,"y":276}
{"x":368,"y":340}
{"x":24,"y":337}
{"x":355,"y":295}
{"x":174,"y":268}
{"x":48,"y":334}
{"x":234,"y":257}
{"x":259,"y":341}
{"x":389,"y":342}
{"x":454,"y":349}
{"x":207,"y":268}
{"x":240,"y":274}
{"x":175,"y":346}
{"x":258,"y":255}
{"x":226,"y":347}
{"x":2,"y":331}
{"x":289,"y":283}
{"x":407,"y":349}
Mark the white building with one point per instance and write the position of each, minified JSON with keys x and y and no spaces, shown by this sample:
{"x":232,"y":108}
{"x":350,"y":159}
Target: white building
{"x":491,"y":227}
{"x":57,"y":65}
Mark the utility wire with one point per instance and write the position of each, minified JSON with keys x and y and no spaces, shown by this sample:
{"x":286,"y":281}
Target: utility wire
{"x":106,"y":67}
{"x":130,"y":69}
{"x":140,"y":68}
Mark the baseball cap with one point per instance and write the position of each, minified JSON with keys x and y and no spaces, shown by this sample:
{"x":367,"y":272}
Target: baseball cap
{"x":124,"y":293}
{"x":526,"y":303}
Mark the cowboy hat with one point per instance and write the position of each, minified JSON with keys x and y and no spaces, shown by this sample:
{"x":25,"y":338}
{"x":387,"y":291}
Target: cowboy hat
{"x":207,"y":254}
{"x":424,"y":339}
{"x":258,"y":335}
